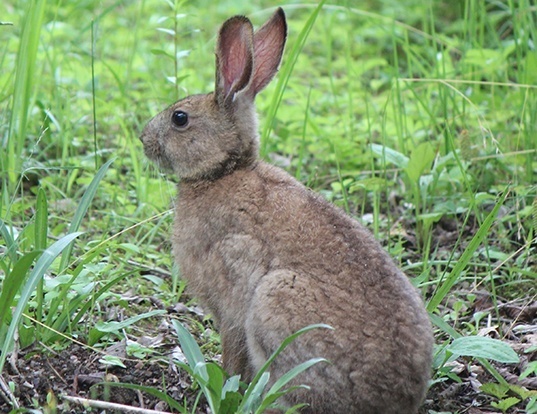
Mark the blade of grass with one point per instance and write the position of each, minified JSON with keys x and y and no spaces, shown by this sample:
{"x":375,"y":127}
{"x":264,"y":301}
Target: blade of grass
{"x":209,"y":380}
{"x":446,"y":285}
{"x":41,"y":230}
{"x":11,"y":245}
{"x":82,"y":208}
{"x":25,"y":78}
{"x":274,"y":393}
{"x":12,"y":283}
{"x":283,"y":345}
{"x":42,"y":265}
{"x":81,"y":304}
{"x":285,"y":74}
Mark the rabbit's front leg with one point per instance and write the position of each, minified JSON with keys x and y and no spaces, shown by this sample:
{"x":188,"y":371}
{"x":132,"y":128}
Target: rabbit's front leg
{"x":235,"y":353}
{"x":243,"y":266}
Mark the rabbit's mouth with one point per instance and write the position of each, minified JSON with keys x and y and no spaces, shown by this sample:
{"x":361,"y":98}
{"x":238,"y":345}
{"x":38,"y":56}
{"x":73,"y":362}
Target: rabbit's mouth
{"x":155,"y":152}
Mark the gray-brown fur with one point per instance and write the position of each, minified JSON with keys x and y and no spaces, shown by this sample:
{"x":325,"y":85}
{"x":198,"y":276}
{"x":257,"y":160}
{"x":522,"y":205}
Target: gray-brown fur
{"x":267,"y":256}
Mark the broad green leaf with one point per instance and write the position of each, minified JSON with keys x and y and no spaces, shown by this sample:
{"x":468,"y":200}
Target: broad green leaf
{"x":504,"y":405}
{"x":484,"y":347}
{"x":422,"y":158}
{"x":230,"y":403}
{"x":232,"y":384}
{"x":252,"y":397}
{"x":496,"y":390}
{"x":390,"y":155}
{"x":189,"y":346}
{"x":213,"y":385}
{"x":115,"y":326}
{"x":112,"y":360}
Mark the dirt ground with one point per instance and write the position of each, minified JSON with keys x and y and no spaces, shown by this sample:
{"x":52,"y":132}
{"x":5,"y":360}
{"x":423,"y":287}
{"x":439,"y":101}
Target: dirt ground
{"x":43,"y":377}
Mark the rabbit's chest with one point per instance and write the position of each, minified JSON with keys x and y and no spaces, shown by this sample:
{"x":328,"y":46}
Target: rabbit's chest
{"x":221,"y":261}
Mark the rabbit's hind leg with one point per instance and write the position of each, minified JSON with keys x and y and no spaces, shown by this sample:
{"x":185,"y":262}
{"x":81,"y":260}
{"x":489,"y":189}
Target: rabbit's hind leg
{"x":284,"y":301}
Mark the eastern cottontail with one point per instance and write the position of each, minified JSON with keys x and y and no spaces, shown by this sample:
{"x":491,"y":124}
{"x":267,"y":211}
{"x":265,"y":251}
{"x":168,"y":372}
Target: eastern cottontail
{"x":267,"y":256}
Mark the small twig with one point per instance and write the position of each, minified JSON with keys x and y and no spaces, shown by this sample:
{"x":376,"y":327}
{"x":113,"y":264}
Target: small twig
{"x":62,"y":379}
{"x":111,"y":406}
{"x":14,"y":357}
{"x":156,"y":270}
{"x":6,"y":393}
{"x":140,"y":398}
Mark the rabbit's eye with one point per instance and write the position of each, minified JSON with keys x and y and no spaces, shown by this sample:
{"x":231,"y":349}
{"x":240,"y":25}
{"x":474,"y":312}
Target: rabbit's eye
{"x":180,"y":118}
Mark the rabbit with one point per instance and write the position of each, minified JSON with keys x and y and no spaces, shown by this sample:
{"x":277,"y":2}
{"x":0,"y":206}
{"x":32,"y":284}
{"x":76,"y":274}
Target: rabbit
{"x":266,"y":256}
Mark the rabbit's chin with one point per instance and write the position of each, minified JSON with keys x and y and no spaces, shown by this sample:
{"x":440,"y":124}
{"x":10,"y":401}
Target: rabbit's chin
{"x":162,"y":163}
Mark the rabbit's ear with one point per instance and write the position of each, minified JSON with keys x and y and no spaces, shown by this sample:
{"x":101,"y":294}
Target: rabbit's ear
{"x":269,"y":41}
{"x":234,"y":58}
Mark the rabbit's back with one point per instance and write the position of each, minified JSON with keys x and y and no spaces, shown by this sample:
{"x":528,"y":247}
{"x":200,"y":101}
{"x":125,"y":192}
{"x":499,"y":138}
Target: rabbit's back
{"x":267,"y":257}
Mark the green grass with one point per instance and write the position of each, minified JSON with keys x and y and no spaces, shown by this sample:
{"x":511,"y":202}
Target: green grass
{"x":419,"y":118}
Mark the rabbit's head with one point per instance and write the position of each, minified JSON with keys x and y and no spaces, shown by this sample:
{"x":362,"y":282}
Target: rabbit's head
{"x":208,"y":136}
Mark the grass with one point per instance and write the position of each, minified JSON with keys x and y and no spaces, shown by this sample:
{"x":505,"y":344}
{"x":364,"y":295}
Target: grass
{"x":419,"y":118}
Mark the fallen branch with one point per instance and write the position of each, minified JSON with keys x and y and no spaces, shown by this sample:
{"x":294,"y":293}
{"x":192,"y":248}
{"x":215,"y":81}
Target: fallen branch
{"x":529,"y":382}
{"x":6,"y":393}
{"x":110,"y":406}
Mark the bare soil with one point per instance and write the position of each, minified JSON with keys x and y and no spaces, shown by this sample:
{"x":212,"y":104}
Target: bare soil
{"x":42,"y":377}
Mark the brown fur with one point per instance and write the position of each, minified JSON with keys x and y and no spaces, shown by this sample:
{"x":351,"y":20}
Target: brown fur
{"x":267,"y":256}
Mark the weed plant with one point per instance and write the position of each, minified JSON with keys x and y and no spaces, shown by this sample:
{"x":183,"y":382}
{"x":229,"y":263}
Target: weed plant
{"x":418,"y":118}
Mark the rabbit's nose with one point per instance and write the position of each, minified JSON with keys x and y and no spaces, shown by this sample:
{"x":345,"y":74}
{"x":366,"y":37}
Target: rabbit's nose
{"x":143,"y":136}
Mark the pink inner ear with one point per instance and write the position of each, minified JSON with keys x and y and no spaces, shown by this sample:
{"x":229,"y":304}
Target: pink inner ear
{"x":235,"y":56}
{"x":235,"y":64}
{"x":269,"y":41}
{"x":265,"y":68}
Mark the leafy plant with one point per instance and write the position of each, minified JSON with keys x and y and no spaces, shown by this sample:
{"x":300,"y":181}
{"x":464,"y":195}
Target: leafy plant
{"x":483,"y":347}
{"x":222,"y":393}
{"x":19,"y":282}
{"x":502,"y":391}
{"x":14,"y":280}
